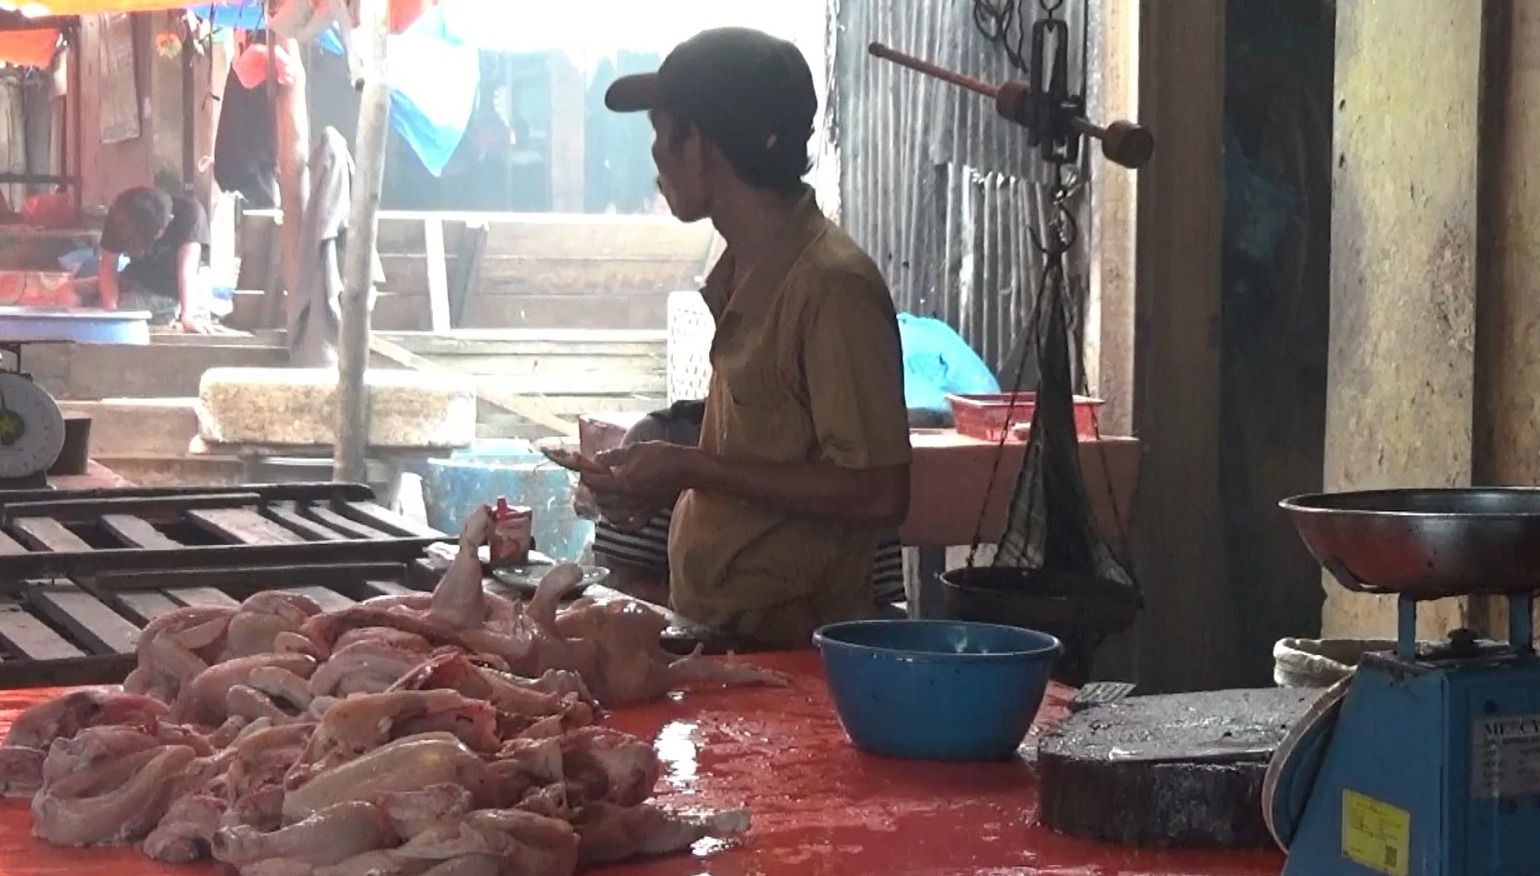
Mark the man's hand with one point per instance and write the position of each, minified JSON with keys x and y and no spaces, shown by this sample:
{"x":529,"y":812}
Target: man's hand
{"x":655,"y":470}
{"x":643,"y":479}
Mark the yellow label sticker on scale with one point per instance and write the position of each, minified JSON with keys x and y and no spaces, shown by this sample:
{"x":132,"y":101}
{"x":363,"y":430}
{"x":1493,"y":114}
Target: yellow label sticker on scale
{"x":1375,"y":835}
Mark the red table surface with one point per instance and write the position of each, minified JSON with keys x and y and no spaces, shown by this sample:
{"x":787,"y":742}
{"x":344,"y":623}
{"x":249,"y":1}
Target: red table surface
{"x":818,"y":806}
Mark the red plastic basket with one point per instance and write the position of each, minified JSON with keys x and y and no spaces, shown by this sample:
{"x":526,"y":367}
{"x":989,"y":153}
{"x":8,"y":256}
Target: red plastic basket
{"x":984,"y":416}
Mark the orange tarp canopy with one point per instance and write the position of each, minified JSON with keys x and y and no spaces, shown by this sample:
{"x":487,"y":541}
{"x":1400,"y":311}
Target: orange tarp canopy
{"x":402,"y":12}
{"x":28,"y":48}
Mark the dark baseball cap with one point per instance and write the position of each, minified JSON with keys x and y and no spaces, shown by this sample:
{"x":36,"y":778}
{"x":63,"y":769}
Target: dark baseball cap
{"x":744,"y":89}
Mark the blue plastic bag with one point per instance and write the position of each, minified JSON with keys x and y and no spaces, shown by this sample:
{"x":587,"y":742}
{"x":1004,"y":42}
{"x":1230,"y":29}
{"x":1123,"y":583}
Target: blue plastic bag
{"x":938,"y":361}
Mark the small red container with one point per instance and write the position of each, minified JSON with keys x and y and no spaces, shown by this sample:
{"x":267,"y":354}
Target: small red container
{"x":512,"y":530}
{"x":984,"y":416}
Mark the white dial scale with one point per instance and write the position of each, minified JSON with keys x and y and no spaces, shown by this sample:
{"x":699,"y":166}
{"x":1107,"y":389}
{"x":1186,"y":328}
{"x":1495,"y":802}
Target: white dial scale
{"x":31,"y":428}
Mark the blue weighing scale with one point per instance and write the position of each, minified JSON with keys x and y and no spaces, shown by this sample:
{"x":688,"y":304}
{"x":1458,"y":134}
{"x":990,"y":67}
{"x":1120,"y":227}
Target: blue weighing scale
{"x":1426,"y":761}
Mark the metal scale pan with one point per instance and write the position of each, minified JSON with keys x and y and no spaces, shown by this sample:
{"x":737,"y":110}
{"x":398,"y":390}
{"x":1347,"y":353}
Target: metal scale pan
{"x":1425,"y":544}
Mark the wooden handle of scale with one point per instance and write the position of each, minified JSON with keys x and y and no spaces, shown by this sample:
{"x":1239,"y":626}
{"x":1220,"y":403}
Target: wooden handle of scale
{"x":1125,"y":143}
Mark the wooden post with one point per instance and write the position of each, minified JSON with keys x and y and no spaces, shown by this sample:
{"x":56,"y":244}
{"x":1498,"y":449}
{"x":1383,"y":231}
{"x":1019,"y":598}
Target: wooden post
{"x":363,"y":223}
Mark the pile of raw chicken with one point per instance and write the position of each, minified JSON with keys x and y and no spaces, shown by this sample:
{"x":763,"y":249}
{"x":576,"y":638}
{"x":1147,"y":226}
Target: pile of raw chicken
{"x":443,"y":734}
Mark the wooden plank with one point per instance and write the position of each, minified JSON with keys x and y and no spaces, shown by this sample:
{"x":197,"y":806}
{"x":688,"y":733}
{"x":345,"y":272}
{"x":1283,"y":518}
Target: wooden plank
{"x":46,"y":534}
{"x":1178,"y":536}
{"x":84,"y":617}
{"x":289,"y":516}
{"x":10,"y":546}
{"x":144,"y":606}
{"x":507,"y":401}
{"x":606,"y":310}
{"x":438,"y":276}
{"x":269,"y":492}
{"x":350,"y":528}
{"x":136,"y":532}
{"x":89,"y":510}
{"x":243,"y":526}
{"x":386,"y":588}
{"x":30,"y":638}
{"x":473,"y":248}
{"x":338,"y":576}
{"x":328,"y":599}
{"x":384,"y":518}
{"x":203,"y":596}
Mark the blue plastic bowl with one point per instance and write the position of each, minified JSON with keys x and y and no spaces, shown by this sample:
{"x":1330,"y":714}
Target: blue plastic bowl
{"x":936,"y":690}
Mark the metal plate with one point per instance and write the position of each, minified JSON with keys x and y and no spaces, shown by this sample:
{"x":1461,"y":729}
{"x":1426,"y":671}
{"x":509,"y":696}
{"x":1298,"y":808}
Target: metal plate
{"x":83,"y":324}
{"x":31,"y":427}
{"x":1426,"y":544}
{"x":523,"y":579}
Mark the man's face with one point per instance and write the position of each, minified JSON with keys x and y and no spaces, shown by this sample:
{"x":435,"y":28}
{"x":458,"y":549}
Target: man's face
{"x":138,"y":237}
{"x":681,"y":169}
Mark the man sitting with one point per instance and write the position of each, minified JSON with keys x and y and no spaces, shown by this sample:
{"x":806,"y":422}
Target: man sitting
{"x":638,"y":559}
{"x":164,"y":238}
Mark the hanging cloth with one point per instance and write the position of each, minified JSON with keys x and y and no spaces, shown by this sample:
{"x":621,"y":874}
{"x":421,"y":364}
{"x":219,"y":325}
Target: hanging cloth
{"x":314,"y":309}
{"x":245,"y":154}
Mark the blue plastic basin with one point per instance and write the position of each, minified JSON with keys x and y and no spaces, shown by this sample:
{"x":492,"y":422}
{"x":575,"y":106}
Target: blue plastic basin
{"x":936,"y":690}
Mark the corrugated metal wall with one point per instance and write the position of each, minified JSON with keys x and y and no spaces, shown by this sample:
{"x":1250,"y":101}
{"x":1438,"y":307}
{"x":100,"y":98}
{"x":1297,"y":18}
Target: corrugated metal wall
{"x":938,"y":188}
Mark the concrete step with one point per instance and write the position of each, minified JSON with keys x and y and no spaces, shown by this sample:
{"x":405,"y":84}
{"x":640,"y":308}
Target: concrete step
{"x":166,"y":471}
{"x":129,"y":427}
{"x":163,"y":369}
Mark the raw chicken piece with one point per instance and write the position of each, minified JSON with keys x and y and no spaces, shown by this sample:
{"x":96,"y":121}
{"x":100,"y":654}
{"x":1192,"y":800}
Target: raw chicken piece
{"x":543,"y":846}
{"x":386,"y":636}
{"x":261,"y":809}
{"x":613,"y":833}
{"x":329,"y":836}
{"x":468,"y":865}
{"x":125,"y":813}
{"x":186,"y":831}
{"x":364,"y":722}
{"x":284,"y":687}
{"x":633,"y":668}
{"x":458,"y":600}
{"x":324,"y":629}
{"x":177,"y":646}
{"x":365,"y":666}
{"x":92,"y":746}
{"x":509,"y":693}
{"x":202,"y":700}
{"x":411,"y":812}
{"x":262,"y":617}
{"x":21,"y":770}
{"x":242,"y":701}
{"x":403,"y":765}
{"x":67,"y":715}
{"x":606,"y":766}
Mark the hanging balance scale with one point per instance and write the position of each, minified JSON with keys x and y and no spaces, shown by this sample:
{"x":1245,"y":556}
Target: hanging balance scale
{"x":1053,"y":570}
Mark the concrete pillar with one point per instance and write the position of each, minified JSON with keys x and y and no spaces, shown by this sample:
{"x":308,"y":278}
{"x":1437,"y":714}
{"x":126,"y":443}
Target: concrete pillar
{"x":1434,"y":373}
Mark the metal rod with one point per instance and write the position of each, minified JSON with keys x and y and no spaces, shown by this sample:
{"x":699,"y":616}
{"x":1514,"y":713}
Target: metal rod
{"x":1521,"y":630}
{"x":1406,"y":628}
{"x":977,"y":86}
